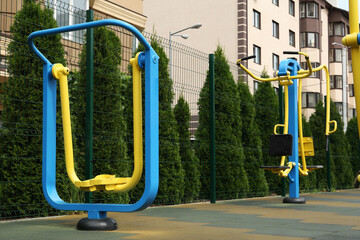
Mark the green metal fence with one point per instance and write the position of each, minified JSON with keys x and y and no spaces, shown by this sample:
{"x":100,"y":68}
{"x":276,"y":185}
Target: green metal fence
{"x":108,"y":147}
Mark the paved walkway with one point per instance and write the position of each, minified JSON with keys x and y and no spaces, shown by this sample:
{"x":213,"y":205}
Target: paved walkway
{"x":325,"y":216}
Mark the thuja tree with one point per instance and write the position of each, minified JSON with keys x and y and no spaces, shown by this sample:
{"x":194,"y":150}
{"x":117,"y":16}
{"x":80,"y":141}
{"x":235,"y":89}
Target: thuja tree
{"x":21,"y":132}
{"x":171,"y":185}
{"x":251,"y":143}
{"x":317,"y":125}
{"x":307,"y":183}
{"x":189,"y":160}
{"x":339,"y":150}
{"x":352,"y":135}
{"x":267,"y":115}
{"x":231,"y":178}
{"x":109,"y":128}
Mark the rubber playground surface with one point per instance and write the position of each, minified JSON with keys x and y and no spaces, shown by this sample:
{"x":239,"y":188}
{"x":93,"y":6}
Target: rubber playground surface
{"x":333,"y":215}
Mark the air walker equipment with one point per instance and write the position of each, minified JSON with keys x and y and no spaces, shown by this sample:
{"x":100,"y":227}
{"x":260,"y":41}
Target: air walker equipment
{"x":52,"y":73}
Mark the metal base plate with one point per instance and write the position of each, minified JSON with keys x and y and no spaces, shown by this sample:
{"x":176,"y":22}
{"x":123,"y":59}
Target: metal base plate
{"x":294,"y":200}
{"x":103,"y":224}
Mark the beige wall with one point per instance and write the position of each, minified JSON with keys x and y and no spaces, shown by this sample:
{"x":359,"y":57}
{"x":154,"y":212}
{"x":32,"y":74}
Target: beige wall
{"x":263,"y":37}
{"x":128,"y":11}
{"x":218,"y":18}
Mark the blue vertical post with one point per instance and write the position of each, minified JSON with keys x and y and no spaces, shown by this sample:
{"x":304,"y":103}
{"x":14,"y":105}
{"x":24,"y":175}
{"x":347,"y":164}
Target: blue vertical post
{"x":294,"y":131}
{"x":293,"y":66}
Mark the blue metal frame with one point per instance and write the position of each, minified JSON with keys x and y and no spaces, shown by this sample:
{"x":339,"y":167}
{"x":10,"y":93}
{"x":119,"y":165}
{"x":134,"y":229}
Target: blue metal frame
{"x":292,"y":66}
{"x":151,"y":126}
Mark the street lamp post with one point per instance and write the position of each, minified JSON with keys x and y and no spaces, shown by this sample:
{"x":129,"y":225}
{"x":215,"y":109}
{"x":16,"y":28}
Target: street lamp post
{"x":344,"y":83}
{"x":184,"y":36}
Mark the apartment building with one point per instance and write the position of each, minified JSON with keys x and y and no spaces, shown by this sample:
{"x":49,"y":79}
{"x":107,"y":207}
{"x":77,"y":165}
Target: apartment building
{"x":266,"y":29}
{"x":242,"y":27}
{"x":322,"y":26}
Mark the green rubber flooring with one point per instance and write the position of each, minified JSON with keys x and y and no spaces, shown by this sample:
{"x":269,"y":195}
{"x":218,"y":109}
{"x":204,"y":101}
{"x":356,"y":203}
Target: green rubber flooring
{"x":325,"y":216}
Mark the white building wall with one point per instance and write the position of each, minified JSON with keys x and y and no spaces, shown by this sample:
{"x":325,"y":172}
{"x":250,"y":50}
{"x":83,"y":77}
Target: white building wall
{"x":263,"y":37}
{"x":218,"y":18}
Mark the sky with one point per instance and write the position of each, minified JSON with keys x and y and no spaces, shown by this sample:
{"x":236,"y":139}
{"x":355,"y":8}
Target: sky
{"x":344,"y":4}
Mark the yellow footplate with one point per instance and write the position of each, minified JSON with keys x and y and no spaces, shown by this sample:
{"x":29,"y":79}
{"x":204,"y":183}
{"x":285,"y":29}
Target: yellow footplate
{"x":103,"y":182}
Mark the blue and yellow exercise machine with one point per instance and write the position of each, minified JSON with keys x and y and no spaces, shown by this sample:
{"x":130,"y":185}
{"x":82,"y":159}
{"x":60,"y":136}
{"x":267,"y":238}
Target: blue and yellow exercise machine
{"x":291,"y":142}
{"x":97,"y":213}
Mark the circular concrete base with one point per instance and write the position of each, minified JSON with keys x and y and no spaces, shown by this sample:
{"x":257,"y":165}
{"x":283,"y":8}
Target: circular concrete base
{"x":294,"y":200}
{"x":103,"y":224}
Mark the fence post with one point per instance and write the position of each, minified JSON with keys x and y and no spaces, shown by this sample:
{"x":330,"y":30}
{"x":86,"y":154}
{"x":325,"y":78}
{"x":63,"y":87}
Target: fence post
{"x":281,"y":121}
{"x":89,"y":102}
{"x":212,"y":129}
{"x":328,"y":167}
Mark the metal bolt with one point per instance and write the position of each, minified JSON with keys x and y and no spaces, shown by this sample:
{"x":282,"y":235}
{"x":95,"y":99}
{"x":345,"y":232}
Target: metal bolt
{"x":154,"y":59}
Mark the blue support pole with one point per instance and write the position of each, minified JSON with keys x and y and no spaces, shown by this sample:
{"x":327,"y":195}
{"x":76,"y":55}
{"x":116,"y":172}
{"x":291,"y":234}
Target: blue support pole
{"x":294,"y":189}
{"x":294,"y":131}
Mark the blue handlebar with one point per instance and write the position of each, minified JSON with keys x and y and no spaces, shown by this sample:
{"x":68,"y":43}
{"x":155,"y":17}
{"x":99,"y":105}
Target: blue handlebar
{"x":82,"y":26}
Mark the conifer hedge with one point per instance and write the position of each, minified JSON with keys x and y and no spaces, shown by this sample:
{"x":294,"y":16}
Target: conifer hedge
{"x":339,"y":151}
{"x":267,"y":115}
{"x":189,"y":160}
{"x":231,"y":178}
{"x":171,"y":185}
{"x":352,"y":135}
{"x":21,"y":132}
{"x":252,"y":144}
{"x":340,"y":164}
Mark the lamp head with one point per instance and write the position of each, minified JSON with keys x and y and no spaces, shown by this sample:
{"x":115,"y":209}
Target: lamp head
{"x":196,"y":26}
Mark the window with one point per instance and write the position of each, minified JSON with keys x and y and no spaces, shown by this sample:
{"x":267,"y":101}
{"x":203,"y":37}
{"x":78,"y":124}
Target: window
{"x":337,"y":29}
{"x":336,"y":82}
{"x":257,"y":53}
{"x":275,"y":2}
{"x":3,"y":66}
{"x":292,"y":8}
{"x":69,"y":12}
{"x":309,"y":39}
{"x":339,"y":107}
{"x":291,"y":38}
{"x":302,"y":10}
{"x":335,"y":55}
{"x":256,"y":85}
{"x":275,"y":62}
{"x":309,"y":10}
{"x":275,"y":29}
{"x":310,"y":99}
{"x":276,"y":89}
{"x":256,"y":19}
{"x":351,"y":90}
{"x":352,"y":113}
{"x":313,"y":65}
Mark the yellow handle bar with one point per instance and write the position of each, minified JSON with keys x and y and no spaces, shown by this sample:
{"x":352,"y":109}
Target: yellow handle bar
{"x":60,"y":72}
{"x":276,"y":126}
{"x":335,"y":126}
{"x":304,"y":74}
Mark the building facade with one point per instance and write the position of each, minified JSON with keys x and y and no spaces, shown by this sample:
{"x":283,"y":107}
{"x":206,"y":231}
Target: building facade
{"x":322,"y":26}
{"x":241,"y":27}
